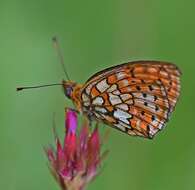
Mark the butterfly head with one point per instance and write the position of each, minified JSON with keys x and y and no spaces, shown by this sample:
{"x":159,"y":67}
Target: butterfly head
{"x":72,"y":91}
{"x":68,"y":88}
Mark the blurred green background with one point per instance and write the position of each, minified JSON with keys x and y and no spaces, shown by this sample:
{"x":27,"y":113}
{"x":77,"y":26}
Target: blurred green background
{"x":93,"y":35}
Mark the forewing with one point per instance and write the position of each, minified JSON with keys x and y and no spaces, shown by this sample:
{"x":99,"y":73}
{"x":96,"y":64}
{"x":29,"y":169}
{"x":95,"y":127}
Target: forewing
{"x":136,"y":97}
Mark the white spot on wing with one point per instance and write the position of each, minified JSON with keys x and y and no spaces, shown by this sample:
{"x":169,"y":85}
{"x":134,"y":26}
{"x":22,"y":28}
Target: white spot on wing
{"x":128,"y":89}
{"x":125,"y":96}
{"x":176,"y":78}
{"x":163,"y":91}
{"x":155,"y":122}
{"x":152,"y":106}
{"x":119,"y":126}
{"x":122,"y":106}
{"x":86,"y":103}
{"x":125,"y":82}
{"x":148,"y":105}
{"x":88,"y":88}
{"x":152,"y":131}
{"x":98,"y":101}
{"x":102,"y":85}
{"x":122,"y":115}
{"x":85,"y":97}
{"x":177,"y":72}
{"x":161,"y":126}
{"x":152,"y":70}
{"x":114,"y":99}
{"x":138,"y":123}
{"x":130,"y":132}
{"x":116,"y":92}
{"x":129,"y":102}
{"x":120,"y":75}
{"x":100,"y":109}
{"x":112,"y":88}
{"x":145,"y":96}
{"x":172,"y":100}
{"x":138,"y":95}
{"x":164,"y":74}
{"x":125,"y":125}
{"x":149,"y":98}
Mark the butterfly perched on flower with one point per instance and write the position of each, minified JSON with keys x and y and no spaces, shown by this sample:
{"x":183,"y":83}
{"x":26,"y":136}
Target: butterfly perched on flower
{"x":136,"y":97}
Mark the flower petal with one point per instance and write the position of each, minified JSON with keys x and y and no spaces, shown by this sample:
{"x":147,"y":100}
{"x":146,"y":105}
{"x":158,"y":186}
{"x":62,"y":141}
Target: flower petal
{"x":71,"y":121}
{"x":76,"y":163}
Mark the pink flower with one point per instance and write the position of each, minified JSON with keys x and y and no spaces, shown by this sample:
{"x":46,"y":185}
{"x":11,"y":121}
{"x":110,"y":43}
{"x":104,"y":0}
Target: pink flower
{"x":75,"y":163}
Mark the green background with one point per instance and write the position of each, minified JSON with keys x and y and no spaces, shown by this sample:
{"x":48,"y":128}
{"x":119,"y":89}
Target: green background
{"x":93,"y":35}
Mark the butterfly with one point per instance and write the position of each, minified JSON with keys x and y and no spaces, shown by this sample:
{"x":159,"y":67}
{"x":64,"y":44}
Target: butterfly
{"x":136,"y":98}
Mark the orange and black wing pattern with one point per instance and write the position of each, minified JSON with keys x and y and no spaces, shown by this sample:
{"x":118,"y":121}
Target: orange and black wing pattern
{"x":136,"y":97}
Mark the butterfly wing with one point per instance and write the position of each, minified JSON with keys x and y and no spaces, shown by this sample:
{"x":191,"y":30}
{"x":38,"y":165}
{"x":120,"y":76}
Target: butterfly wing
{"x":136,"y":97}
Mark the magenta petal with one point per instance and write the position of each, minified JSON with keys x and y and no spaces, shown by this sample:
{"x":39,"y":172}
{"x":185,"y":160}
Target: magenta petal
{"x":50,"y":154}
{"x":70,"y":145}
{"x":93,"y":151}
{"x":79,"y":164}
{"x":95,"y":141}
{"x":60,"y":152}
{"x":84,"y":134}
{"x":66,"y":173}
{"x":71,"y":121}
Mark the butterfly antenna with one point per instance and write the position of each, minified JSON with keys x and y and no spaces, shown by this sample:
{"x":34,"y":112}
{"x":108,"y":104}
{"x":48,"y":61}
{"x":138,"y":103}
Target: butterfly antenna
{"x":39,"y":86}
{"x":61,"y":58}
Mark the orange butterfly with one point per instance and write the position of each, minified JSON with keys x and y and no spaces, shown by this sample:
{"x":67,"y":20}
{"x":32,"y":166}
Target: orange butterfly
{"x":136,"y":97}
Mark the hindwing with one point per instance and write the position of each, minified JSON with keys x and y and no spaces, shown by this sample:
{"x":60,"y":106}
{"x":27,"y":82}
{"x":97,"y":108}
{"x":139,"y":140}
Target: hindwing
{"x":136,"y":97}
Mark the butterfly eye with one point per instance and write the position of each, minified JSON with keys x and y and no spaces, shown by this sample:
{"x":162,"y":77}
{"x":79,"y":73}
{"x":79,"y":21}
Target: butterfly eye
{"x":68,"y":91}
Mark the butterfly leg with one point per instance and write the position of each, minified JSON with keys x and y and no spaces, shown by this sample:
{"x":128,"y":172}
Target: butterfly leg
{"x":71,"y":109}
{"x":89,"y":120}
